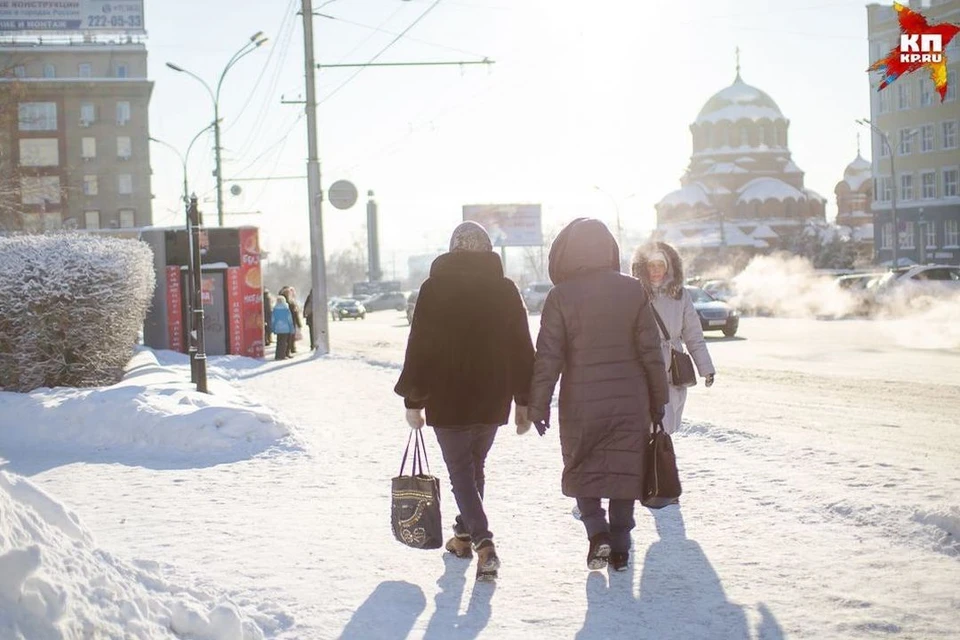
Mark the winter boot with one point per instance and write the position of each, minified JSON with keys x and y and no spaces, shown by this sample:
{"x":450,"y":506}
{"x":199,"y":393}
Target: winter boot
{"x":599,"y":551}
{"x":459,"y":545}
{"x":487,"y":561}
{"x":619,"y":560}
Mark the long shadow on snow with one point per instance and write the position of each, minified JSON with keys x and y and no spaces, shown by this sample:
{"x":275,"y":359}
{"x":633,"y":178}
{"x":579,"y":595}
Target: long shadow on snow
{"x":446,"y":622}
{"x":388,"y":614}
{"x":680,"y":597}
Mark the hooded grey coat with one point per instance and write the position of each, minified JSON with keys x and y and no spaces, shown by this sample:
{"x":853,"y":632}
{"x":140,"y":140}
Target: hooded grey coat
{"x":680,"y":318}
{"x":598,"y":332}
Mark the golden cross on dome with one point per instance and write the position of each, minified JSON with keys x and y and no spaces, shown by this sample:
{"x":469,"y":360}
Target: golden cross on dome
{"x":738,"y":60}
{"x":858,"y":143}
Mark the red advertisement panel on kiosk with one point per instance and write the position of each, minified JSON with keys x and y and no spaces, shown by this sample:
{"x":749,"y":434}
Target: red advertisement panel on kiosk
{"x":174,"y":310}
{"x":251,"y":291}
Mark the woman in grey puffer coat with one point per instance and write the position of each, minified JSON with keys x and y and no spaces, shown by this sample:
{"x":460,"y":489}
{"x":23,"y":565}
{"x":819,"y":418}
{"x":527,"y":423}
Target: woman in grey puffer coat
{"x":659,"y":267}
{"x":597,"y":330}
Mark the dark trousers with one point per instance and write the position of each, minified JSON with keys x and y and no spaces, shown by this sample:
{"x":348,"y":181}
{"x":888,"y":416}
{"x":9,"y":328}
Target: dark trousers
{"x":313,"y":340}
{"x":267,"y":335}
{"x":465,"y":452}
{"x":291,"y":344}
{"x":621,"y":520}
{"x":283,"y":345}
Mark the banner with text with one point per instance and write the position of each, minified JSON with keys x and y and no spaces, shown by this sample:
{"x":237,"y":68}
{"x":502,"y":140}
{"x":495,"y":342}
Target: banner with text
{"x":71,"y":16}
{"x":509,"y":225}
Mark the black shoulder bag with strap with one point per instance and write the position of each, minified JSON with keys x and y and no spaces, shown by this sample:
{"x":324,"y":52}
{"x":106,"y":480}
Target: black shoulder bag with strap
{"x":661,"y":482}
{"x":415,"y":500}
{"x":682,"y":373}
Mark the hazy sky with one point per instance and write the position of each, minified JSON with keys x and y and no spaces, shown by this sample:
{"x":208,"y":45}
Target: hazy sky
{"x":581,"y":94}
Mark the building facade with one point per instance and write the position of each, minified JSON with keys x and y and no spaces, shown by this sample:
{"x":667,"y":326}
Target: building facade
{"x":921,"y":142}
{"x":741,"y":189}
{"x":75,"y":149}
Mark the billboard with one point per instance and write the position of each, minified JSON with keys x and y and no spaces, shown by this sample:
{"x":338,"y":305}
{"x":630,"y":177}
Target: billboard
{"x":509,"y":225}
{"x":71,"y":16}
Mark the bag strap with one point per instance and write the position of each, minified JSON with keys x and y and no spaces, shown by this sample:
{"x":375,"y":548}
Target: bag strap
{"x":406,"y":452}
{"x":659,"y":320}
{"x":423,"y":445}
{"x":419,"y":460}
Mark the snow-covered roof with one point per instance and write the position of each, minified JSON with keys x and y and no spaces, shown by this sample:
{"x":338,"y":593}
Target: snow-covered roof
{"x":791,"y":167}
{"x":725,"y":167}
{"x":707,"y":235}
{"x":763,"y":189}
{"x":813,"y":195}
{"x":745,"y":160}
{"x":857,"y":173}
{"x":764,"y":232}
{"x":739,"y":101}
{"x":863,"y":232}
{"x":691,"y":195}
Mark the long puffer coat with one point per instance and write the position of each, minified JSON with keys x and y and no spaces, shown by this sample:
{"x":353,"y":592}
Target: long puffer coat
{"x":597,"y":330}
{"x":680,"y":318}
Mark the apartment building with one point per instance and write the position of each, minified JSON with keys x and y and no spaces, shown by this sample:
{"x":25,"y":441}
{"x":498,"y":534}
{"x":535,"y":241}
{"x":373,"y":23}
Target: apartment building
{"x":923,"y":138}
{"x":75,"y":147}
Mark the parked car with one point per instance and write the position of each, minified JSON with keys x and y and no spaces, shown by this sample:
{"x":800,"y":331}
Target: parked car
{"x":411,"y":305}
{"x":722,"y":290}
{"x":715,"y":315}
{"x":383,"y":301}
{"x":858,"y":285}
{"x":348,"y":309}
{"x":906,"y":284}
{"x":535,"y":295}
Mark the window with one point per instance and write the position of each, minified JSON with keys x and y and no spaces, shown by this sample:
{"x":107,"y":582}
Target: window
{"x":885,"y":102}
{"x":123,"y":113}
{"x":49,"y":71}
{"x":929,"y":234}
{"x":950,"y":179}
{"x":91,"y":186}
{"x":20,"y":71}
{"x":928,"y":185}
{"x":926,"y":93}
{"x":123,"y":70}
{"x":761,"y":133}
{"x":39,"y":152}
{"x":903,"y":95}
{"x":951,"y":233}
{"x":744,"y":137}
{"x":38,"y":116}
{"x":907,"y":240}
{"x":124,"y":184}
{"x":949,"y":134}
{"x":884,"y":147}
{"x":906,"y":186}
{"x":951,"y":86}
{"x":88,"y":114}
{"x":88,"y":149}
{"x":91,"y":219}
{"x":906,"y":141}
{"x":885,"y":188}
{"x":886,"y":236}
{"x":84,"y":70}
{"x":128,"y":219}
{"x":124,"y":148}
{"x":42,"y":190}
{"x":926,"y":138}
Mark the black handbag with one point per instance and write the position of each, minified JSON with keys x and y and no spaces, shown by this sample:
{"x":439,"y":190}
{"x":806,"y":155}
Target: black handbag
{"x":415,"y":500}
{"x":661,"y":481}
{"x":682,"y":373}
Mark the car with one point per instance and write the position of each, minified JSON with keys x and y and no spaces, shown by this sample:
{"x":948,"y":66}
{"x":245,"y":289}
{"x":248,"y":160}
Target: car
{"x":535,"y":295}
{"x":348,"y":309}
{"x":857,"y":286}
{"x":722,"y":290}
{"x":715,"y":315}
{"x":382,"y":301}
{"x":411,"y":305}
{"x":906,"y":285}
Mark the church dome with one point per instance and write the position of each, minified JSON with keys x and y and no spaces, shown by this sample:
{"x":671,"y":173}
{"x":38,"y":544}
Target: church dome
{"x":739,"y":101}
{"x":858,"y":172}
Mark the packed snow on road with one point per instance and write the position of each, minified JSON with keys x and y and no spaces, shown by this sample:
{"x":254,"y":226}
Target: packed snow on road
{"x":821,"y":500}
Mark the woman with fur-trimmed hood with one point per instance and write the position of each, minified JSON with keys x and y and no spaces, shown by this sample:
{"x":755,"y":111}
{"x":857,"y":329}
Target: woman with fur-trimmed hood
{"x":659,"y":267}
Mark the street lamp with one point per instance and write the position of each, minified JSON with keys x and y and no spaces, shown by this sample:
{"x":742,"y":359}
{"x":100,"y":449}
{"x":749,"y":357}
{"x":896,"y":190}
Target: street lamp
{"x":893,"y":177}
{"x":255,"y":41}
{"x":184,"y":158}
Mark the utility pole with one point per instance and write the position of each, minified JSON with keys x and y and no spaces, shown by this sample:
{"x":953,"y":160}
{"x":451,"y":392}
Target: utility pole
{"x":201,"y":357}
{"x":318,"y":268}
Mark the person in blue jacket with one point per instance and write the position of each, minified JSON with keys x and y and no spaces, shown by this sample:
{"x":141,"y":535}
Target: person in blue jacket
{"x":283,"y":327}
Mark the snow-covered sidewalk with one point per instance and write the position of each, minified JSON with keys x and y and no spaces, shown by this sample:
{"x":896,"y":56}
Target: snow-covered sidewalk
{"x":778,"y":536}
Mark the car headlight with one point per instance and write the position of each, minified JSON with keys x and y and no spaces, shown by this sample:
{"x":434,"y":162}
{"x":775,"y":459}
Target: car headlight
{"x":734,"y":313}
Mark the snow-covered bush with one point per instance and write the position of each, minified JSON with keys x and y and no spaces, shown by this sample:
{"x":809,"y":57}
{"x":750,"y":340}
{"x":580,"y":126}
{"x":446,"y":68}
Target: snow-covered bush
{"x":70,"y":309}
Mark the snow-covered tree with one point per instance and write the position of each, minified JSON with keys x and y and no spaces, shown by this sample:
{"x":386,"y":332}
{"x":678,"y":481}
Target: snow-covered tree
{"x":71,"y":307}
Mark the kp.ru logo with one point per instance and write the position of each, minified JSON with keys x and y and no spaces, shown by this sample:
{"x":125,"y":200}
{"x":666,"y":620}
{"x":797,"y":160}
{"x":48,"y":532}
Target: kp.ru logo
{"x":921,"y":46}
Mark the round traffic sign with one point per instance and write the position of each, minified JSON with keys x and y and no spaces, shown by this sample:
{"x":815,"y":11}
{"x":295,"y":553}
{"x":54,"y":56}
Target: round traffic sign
{"x":342,"y":194}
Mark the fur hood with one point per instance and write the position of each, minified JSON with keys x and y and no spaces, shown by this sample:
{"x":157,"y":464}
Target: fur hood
{"x":674,"y":278}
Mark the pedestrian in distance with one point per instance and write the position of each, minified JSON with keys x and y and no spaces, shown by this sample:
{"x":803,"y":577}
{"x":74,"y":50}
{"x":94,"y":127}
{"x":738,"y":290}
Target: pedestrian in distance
{"x":308,"y":316}
{"x":468,"y":355}
{"x":283,"y":327}
{"x":599,"y":338}
{"x":659,"y":267}
{"x":290,"y":294}
{"x":267,"y":318}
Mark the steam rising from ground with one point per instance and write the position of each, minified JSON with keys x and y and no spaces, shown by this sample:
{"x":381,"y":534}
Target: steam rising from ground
{"x":789,"y":286}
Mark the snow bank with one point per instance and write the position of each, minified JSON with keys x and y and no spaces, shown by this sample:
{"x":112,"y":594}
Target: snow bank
{"x":55,"y":584}
{"x":71,"y":307}
{"x":154,"y":413}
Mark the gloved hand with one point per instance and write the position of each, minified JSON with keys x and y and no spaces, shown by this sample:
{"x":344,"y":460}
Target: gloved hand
{"x":539,"y":418}
{"x":709,"y":380}
{"x":522,"y":420}
{"x":415,"y":418}
{"x":657,"y":414}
